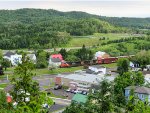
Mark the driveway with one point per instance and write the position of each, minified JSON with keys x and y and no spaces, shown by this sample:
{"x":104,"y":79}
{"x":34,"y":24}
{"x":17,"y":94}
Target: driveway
{"x":56,"y":107}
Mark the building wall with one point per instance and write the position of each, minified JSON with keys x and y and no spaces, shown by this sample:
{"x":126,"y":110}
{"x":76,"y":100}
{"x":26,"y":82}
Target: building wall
{"x":80,"y":84}
{"x":8,"y":58}
{"x":57,"y":64}
{"x":16,"y":59}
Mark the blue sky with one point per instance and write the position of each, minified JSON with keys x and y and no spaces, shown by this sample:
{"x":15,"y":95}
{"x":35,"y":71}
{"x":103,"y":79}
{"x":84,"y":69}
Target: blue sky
{"x":114,"y":8}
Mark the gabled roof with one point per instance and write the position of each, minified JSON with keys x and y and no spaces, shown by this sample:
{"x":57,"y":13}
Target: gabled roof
{"x":9,"y":53}
{"x":30,"y":56}
{"x":139,"y":89}
{"x":57,"y":56}
{"x":55,"y":60}
{"x":143,"y":90}
{"x":79,"y":98}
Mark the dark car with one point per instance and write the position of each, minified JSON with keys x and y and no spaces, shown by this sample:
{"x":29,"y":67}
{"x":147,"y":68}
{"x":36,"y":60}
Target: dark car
{"x":48,"y":91}
{"x":57,"y":87}
{"x":72,"y":91}
{"x":1,"y":70}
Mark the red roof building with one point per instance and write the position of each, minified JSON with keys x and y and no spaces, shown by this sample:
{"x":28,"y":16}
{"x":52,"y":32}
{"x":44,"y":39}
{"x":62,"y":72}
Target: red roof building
{"x":57,"y":56}
{"x":9,"y":99}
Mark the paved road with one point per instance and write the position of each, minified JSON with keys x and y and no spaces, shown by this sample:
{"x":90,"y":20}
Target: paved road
{"x":57,"y":108}
{"x":59,"y":105}
{"x":61,"y":101}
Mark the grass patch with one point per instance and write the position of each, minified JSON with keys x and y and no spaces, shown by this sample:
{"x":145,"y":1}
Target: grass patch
{"x":112,"y":65}
{"x":46,"y":71}
{"x":56,"y":71}
{"x":78,"y":41}
{"x":3,"y":85}
{"x":56,"y":96}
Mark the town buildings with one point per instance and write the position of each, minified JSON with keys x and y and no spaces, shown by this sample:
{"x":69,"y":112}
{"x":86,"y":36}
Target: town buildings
{"x":82,"y":80}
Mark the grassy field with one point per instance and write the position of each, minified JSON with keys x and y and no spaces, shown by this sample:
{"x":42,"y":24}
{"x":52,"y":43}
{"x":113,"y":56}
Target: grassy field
{"x":57,"y":71}
{"x":46,"y":71}
{"x":78,"y":41}
{"x":113,"y":65}
{"x":3,"y":86}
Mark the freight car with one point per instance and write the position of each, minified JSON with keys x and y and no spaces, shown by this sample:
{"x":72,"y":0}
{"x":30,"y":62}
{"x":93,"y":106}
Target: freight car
{"x":108,"y":60}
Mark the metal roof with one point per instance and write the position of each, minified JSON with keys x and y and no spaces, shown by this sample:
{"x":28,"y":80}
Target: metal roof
{"x":80,"y":98}
{"x":9,"y":53}
{"x":55,"y":60}
{"x":85,"y":77}
{"x":139,"y":89}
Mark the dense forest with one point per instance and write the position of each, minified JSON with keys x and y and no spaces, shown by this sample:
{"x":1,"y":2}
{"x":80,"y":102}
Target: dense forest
{"x":39,"y":28}
{"x":140,"y":23}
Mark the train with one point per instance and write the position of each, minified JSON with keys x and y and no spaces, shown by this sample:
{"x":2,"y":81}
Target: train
{"x":108,"y":60}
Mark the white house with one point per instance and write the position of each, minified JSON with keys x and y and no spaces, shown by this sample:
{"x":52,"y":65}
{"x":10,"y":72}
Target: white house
{"x":16,"y":59}
{"x":32,"y":58}
{"x":54,"y":62}
{"x":100,"y":54}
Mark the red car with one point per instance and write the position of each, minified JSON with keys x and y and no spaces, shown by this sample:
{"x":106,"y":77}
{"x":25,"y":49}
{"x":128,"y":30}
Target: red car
{"x":64,"y":64}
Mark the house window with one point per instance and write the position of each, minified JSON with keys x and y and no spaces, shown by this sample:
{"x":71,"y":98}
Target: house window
{"x":128,"y":92}
{"x":142,"y":95}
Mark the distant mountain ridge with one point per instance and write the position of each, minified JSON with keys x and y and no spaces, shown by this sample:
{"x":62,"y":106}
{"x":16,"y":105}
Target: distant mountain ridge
{"x":21,"y":14}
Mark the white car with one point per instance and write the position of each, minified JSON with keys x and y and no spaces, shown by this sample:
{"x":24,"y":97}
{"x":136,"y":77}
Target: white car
{"x":77,"y":91}
{"x":68,"y":90}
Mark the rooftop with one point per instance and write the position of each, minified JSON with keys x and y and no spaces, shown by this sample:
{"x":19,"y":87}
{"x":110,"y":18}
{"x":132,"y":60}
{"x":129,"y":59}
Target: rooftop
{"x":9,"y":53}
{"x":30,"y":55}
{"x":139,"y":89}
{"x":97,"y":66}
{"x":79,"y":98}
{"x":55,"y":60}
{"x":86,"y":77}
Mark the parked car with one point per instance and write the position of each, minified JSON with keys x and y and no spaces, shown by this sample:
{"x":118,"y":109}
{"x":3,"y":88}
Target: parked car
{"x":68,"y":90}
{"x":48,"y":91}
{"x":57,"y":87}
{"x":72,"y":90}
{"x":77,"y":91}
{"x":84,"y":93}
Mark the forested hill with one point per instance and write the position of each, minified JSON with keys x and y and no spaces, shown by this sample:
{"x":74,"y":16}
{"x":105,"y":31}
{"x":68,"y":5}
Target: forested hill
{"x":141,"y":23}
{"x":39,"y":28}
{"x":75,"y":23}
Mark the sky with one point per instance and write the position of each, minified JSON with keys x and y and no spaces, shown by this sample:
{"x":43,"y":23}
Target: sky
{"x":111,"y":8}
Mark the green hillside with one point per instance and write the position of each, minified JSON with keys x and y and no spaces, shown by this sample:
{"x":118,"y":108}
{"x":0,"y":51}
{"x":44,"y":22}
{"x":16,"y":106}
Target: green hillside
{"x":140,"y":23}
{"x":38,"y":28}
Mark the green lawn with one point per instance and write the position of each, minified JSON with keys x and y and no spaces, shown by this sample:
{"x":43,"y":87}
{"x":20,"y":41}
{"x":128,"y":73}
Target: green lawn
{"x":46,"y":71}
{"x":112,"y":65}
{"x":57,"y":71}
{"x":3,"y":86}
{"x":78,"y":41}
